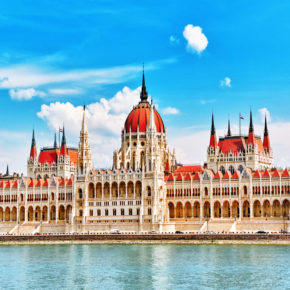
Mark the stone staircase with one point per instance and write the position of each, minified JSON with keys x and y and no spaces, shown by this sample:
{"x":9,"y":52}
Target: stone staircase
{"x":6,"y":227}
{"x":218,"y":226}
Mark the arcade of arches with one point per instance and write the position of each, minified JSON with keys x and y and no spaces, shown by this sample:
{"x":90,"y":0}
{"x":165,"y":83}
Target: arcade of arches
{"x":187,"y":210}
{"x":36,"y":214}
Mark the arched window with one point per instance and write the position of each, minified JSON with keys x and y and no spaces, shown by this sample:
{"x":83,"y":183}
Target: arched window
{"x":205,"y":191}
{"x":148,"y":191}
{"x":222,"y":170}
{"x":232,"y":169}
{"x":241,"y":168}
{"x":80,"y":194}
{"x":149,"y":211}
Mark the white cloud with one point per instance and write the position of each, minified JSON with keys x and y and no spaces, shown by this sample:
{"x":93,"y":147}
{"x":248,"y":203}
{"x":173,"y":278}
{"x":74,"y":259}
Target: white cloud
{"x":25,"y":94}
{"x":65,"y":91}
{"x":170,"y":111}
{"x":196,"y":40}
{"x":264,"y":112}
{"x":226,"y":82}
{"x":105,"y":121}
{"x":24,"y":76}
{"x":173,"y":40}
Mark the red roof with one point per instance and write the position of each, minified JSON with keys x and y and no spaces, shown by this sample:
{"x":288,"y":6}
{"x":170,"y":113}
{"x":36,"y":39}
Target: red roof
{"x":285,"y":173}
{"x":179,"y":177}
{"x":187,"y":177}
{"x":227,"y":175}
{"x":276,"y":173}
{"x":232,"y":144}
{"x":170,"y":178}
{"x":62,"y":182}
{"x":140,"y":116}
{"x":51,"y":155}
{"x":236,"y":174}
{"x":188,"y":169}
{"x":15,"y":184}
{"x":196,"y":176}
{"x":237,"y":144}
{"x":257,"y":174}
{"x":70,"y":181}
{"x":212,"y":141}
{"x":266,"y":173}
{"x":218,"y":175}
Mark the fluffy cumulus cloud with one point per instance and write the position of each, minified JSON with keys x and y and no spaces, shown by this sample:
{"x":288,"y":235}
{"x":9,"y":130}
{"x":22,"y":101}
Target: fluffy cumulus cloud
{"x":105,"y":120}
{"x":196,"y":40}
{"x":25,"y":94}
{"x":170,"y":111}
{"x":226,"y":82}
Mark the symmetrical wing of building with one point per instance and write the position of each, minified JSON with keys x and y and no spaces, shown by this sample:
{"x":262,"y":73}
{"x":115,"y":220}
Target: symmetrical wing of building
{"x":236,"y":189}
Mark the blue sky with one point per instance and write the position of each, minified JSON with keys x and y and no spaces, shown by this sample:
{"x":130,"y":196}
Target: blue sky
{"x":54,"y":52}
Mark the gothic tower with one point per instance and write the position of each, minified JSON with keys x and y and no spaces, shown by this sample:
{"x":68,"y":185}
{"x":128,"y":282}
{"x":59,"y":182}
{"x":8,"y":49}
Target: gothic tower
{"x":84,"y":155}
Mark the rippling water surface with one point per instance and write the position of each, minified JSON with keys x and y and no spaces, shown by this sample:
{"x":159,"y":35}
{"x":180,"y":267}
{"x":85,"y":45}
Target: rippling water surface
{"x":145,"y":267}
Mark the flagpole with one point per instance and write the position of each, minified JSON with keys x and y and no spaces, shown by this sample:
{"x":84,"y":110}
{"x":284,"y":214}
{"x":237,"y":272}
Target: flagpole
{"x":240,"y":124}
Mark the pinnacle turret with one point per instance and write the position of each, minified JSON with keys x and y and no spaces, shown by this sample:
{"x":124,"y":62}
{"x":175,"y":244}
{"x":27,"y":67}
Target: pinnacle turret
{"x":229,"y":129}
{"x":143,"y":94}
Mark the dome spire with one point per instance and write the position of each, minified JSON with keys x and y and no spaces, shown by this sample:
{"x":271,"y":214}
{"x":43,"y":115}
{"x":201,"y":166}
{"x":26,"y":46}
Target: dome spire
{"x":229,"y":128}
{"x":143,"y":94}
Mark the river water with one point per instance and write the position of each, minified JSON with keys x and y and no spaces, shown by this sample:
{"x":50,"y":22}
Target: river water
{"x":144,"y":267}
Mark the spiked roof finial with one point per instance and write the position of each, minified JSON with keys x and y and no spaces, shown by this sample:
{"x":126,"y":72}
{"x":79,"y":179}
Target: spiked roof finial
{"x":7,"y":170}
{"x":143,"y":94}
{"x":266,"y":133}
{"x":229,"y":128}
{"x":55,"y":142}
{"x":212,"y":125}
{"x":251,"y":127}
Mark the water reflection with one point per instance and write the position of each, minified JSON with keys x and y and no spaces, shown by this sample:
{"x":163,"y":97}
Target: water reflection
{"x":144,"y":267}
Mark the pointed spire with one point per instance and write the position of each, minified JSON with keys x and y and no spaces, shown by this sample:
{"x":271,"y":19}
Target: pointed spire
{"x":84,"y":122}
{"x":152,"y":125}
{"x":55,"y":142}
{"x":251,"y":130}
{"x":212,"y":125}
{"x":63,"y":149}
{"x":266,"y":142}
{"x":213,"y":141}
{"x":7,"y":171}
{"x":143,"y":94}
{"x":33,"y":151}
{"x":229,"y":129}
{"x":266,"y":133}
{"x":251,"y":127}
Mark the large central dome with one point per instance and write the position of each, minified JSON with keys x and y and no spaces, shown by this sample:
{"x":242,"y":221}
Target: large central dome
{"x":140,"y":115}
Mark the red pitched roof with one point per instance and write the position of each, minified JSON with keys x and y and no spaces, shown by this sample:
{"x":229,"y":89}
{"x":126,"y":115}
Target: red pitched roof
{"x":61,"y":183}
{"x":237,"y":144}
{"x":218,"y":175}
{"x":167,"y":167}
{"x":232,"y":144}
{"x":266,"y":173}
{"x":196,"y":176}
{"x":285,"y":173}
{"x":276,"y":173}
{"x":15,"y":184}
{"x":227,"y":175}
{"x":236,"y":174}
{"x":179,"y":178}
{"x":51,"y":155}
{"x":188,"y":169}
{"x":257,"y":174}
{"x":187,"y":177}
{"x":170,"y":178}
{"x":70,"y":182}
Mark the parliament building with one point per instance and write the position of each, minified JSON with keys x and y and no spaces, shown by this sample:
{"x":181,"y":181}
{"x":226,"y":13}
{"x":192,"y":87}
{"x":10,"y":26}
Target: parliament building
{"x":236,"y":189}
